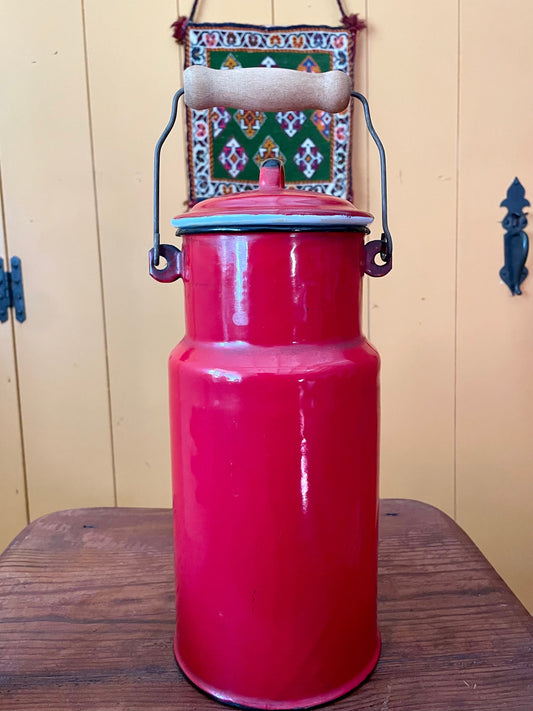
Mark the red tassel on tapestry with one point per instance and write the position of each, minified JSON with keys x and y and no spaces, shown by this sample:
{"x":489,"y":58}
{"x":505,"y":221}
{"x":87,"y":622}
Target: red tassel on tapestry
{"x":353,"y":23}
{"x":179,"y":29}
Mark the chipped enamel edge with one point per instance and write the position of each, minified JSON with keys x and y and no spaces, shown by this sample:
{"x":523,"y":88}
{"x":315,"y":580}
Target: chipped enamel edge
{"x":271,"y":220}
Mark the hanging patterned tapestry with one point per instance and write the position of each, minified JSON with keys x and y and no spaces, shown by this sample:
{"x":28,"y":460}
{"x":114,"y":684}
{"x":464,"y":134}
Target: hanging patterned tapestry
{"x":227,"y":146}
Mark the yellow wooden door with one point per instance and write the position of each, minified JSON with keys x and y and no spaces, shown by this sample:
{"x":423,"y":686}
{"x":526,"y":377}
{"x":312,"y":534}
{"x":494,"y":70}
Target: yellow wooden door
{"x":494,"y":329}
{"x":130,"y":106}
{"x":448,"y":85}
{"x":51,"y":224}
{"x":412,"y":85}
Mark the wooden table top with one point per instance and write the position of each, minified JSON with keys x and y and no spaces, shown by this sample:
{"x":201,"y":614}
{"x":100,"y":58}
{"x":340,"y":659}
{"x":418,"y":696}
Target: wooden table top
{"x":87,"y":618}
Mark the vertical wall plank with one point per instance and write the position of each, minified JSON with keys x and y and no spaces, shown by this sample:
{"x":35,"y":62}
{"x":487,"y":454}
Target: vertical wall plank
{"x":50,"y":225}
{"x":133,"y":73}
{"x":413,"y":95}
{"x":258,"y":12}
{"x":12,"y":485}
{"x":495,"y":329}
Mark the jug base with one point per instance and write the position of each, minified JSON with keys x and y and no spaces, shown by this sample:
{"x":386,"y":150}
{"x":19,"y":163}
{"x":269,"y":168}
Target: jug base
{"x":243,"y":702}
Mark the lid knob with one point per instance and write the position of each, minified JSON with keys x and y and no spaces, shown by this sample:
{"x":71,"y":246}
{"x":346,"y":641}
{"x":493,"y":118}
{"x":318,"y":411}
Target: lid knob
{"x":272,"y":175}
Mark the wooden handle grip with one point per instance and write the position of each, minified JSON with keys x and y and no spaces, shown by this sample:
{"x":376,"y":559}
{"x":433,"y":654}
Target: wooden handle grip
{"x":262,"y":89}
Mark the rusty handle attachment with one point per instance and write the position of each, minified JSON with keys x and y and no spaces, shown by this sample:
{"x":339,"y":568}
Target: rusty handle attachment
{"x":266,"y":89}
{"x":172,"y":271}
{"x":383,"y":247}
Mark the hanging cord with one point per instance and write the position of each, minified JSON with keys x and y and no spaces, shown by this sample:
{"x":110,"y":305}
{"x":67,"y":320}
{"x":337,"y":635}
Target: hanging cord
{"x":351,"y":22}
{"x":179,"y":28}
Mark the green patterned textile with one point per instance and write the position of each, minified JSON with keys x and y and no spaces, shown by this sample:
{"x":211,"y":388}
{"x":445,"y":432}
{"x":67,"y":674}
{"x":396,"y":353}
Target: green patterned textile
{"x":226,"y":146}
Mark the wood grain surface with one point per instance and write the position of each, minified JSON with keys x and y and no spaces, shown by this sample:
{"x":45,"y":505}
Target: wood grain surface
{"x":86,"y":618}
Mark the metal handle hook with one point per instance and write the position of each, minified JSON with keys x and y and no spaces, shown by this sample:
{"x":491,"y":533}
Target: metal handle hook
{"x":155,"y":252}
{"x":385,"y":249}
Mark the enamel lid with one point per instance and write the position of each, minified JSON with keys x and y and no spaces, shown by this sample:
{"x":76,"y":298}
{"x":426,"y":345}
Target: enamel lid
{"x":274,"y":207}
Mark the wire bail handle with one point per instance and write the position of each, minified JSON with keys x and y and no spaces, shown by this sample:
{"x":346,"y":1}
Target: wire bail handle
{"x":212,"y":91}
{"x":172,"y":254}
{"x":383,"y":247}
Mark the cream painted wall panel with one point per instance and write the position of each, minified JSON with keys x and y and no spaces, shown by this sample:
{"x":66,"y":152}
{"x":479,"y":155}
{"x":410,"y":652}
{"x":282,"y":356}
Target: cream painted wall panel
{"x":412,"y":89}
{"x":50,"y":225}
{"x":258,"y":12}
{"x":495,"y":330}
{"x":133,"y":73}
{"x":13,"y":516}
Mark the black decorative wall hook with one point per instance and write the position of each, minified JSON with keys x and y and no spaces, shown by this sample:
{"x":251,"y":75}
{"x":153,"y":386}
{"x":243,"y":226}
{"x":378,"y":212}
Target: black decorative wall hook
{"x":515,"y":240}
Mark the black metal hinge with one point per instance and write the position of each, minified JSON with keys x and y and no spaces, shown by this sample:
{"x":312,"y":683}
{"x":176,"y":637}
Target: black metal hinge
{"x":11,"y":291}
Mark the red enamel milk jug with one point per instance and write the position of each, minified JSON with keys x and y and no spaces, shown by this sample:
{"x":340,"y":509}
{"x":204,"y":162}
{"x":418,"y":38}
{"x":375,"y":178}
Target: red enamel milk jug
{"x":274,"y":425}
